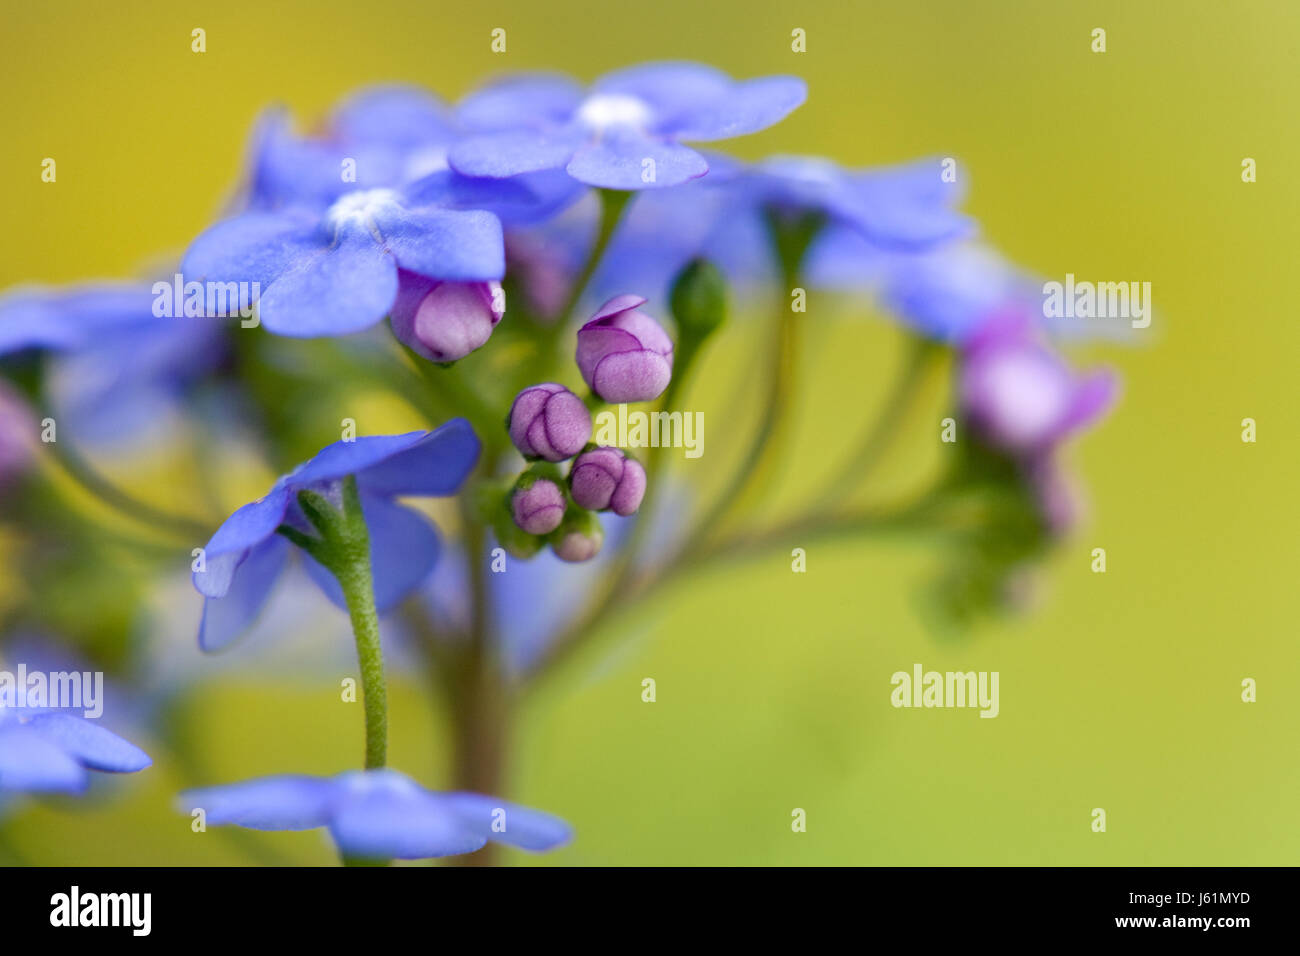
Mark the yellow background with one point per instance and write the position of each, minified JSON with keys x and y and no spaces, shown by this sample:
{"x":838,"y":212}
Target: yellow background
{"x":1118,"y":691}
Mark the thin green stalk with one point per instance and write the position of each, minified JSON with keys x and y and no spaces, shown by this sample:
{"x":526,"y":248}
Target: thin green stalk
{"x":354,"y":578}
{"x":918,"y":515}
{"x":613,"y":204}
{"x":86,"y":475}
{"x":344,"y":549}
{"x":921,"y":354}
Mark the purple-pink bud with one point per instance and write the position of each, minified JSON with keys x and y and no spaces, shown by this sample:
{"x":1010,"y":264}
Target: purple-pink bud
{"x":578,"y":539}
{"x":538,"y":505}
{"x":605,"y":478}
{"x":549,"y":421}
{"x":624,"y":354}
{"x":1021,"y":396}
{"x":445,"y":321}
{"x":17,"y":434}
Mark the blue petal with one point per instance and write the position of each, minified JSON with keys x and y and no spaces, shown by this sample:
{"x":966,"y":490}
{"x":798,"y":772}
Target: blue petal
{"x":452,"y":244}
{"x":287,"y":169}
{"x":434,"y":465}
{"x":92,"y":745}
{"x":344,"y":288}
{"x":42,"y":318}
{"x":290,"y":802}
{"x":900,"y":222}
{"x":522,"y":101}
{"x":498,"y":155}
{"x":226,"y":618}
{"x":618,"y":161}
{"x":406,"y":117}
{"x":510,"y":823}
{"x":950,"y":293}
{"x":669,"y":87}
{"x":746,"y":108}
{"x":256,"y":247}
{"x":31,"y":762}
{"x":529,"y":198}
{"x":383,"y":815}
{"x":404,"y":548}
{"x":247,"y":527}
{"x":342,"y":458}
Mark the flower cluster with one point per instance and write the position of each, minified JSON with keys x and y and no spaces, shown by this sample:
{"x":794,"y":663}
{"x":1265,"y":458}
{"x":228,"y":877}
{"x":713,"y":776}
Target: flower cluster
{"x":508,"y":216}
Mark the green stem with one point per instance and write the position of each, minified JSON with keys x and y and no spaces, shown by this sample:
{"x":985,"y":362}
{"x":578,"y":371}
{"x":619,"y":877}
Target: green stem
{"x":343,"y":547}
{"x":613,"y":204}
{"x":477,"y":692}
{"x":86,"y":475}
{"x":354,"y":576}
{"x":921,"y":514}
{"x":754,"y":471}
{"x":921,"y":353}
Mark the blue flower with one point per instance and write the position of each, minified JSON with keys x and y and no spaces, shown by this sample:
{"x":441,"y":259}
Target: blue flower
{"x":246,"y":555}
{"x":81,"y":316}
{"x":335,"y":272}
{"x":625,"y":133}
{"x":117,"y":369}
{"x":896,"y":207}
{"x":387,"y":137}
{"x":946,"y":293}
{"x":380,"y":138}
{"x":711,"y":217}
{"x":44,"y":751}
{"x":378,"y":814}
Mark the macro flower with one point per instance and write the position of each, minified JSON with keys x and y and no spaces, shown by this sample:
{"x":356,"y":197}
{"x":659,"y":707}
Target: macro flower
{"x":116,"y":368}
{"x":386,"y":137}
{"x":946,"y":293}
{"x":624,"y":354}
{"x":445,"y":321}
{"x":44,"y":751}
{"x":1020,"y":395}
{"x":713,"y":218}
{"x":334,"y":272}
{"x":378,"y":815}
{"x":537,"y":504}
{"x":578,"y":538}
{"x":379,"y":138}
{"x":625,"y":133}
{"x":896,"y":207}
{"x":246,"y":555}
{"x":605,"y":478}
{"x":548,"y":421}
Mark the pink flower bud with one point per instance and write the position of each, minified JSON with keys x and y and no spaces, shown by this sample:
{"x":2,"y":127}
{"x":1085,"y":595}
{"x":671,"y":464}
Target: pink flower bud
{"x":549,"y":421}
{"x":624,"y":354}
{"x":605,"y":478}
{"x":445,"y":321}
{"x":537,"y":505}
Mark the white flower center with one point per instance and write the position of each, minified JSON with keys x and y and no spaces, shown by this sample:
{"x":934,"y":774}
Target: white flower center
{"x":614,"y":109}
{"x":360,"y":207}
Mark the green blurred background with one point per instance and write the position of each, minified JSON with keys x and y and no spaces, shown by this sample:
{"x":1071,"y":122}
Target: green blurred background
{"x":1119,"y":690}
